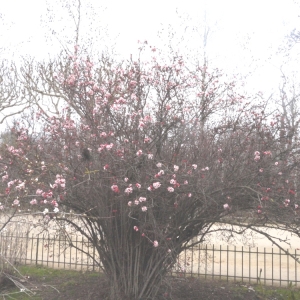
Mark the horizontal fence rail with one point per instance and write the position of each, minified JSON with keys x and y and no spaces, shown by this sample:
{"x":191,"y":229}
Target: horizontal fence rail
{"x":267,"y":265}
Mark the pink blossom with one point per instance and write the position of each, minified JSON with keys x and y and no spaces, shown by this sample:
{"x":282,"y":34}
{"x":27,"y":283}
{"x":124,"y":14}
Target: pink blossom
{"x":147,"y":140}
{"x":60,"y":181}
{"x":176,"y":168}
{"x":280,"y":173}
{"x":106,"y":167}
{"x":186,"y":182}
{"x":135,"y":228}
{"x":54,"y":203}
{"x":256,"y":153}
{"x":156,"y":185}
{"x":155,"y":243}
{"x":194,"y":166}
{"x":129,"y":203}
{"x":136,"y":202}
{"x":16,"y":202}
{"x":138,"y":185}
{"x":173,"y":181}
{"x":257,"y":158}
{"x":189,"y":195}
{"x":276,"y":163}
{"x":161,"y":172}
{"x":296,"y":206}
{"x":115,"y":188}
{"x":5,"y":177}
{"x":47,"y":195}
{"x":139,"y":153}
{"x":206,"y":168}
{"x":261,"y":170}
{"x":128,"y":190}
{"x":226,"y":206}
{"x":9,"y":184}
{"x":132,"y":83}
{"x":268,"y":153}
{"x":159,"y":165}
{"x":125,"y":179}
{"x":144,"y":208}
{"x":142,"y":199}
{"x":150,"y":156}
{"x":39,"y":192}
{"x":56,"y":210}
{"x":259,"y":211}
{"x":21,"y":186}
{"x":170,"y":189}
{"x":109,"y":147}
{"x":33,"y":202}
{"x":103,"y":134}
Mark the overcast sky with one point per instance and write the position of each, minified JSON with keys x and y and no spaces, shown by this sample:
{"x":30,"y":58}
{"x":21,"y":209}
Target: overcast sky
{"x":244,"y":36}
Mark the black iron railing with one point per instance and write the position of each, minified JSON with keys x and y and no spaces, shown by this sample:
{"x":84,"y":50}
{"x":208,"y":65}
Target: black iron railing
{"x":267,"y":265}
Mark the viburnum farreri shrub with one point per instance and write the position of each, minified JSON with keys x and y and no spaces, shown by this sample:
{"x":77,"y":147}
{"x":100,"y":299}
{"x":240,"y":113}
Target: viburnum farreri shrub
{"x":150,"y":155}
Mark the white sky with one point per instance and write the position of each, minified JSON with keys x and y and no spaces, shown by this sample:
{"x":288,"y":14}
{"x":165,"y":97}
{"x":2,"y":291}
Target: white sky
{"x":244,"y":35}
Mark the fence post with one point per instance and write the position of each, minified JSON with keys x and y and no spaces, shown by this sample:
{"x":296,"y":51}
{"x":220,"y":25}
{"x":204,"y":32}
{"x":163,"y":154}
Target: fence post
{"x":37,"y":250}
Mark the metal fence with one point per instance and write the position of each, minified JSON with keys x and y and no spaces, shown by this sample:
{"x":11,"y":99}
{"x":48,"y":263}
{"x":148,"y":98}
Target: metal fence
{"x":268,"y":265}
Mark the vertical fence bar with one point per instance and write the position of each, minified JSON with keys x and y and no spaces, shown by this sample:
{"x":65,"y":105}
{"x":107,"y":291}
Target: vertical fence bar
{"x":272,"y":266}
{"x":25,"y":262}
{"x":296,"y":267}
{"x":93,"y":258}
{"x":31,"y":250}
{"x":53,"y":249}
{"x":249,"y":263}
{"x":48,"y":249}
{"x":58,"y":260}
{"x":43,"y":247}
{"x":227,"y":258}
{"x":280,"y":267}
{"x":220,"y":261}
{"x":76,"y":241}
{"x":199,"y":259}
{"x":213,"y":262}
{"x":234,"y":263}
{"x":265,"y":267}
{"x":37,"y":250}
{"x":288,"y":266}
{"x":242,"y":263}
{"x":257,"y":276}
{"x":71,"y":248}
{"x":192,"y":261}
{"x":205,"y":260}
{"x":82,"y":241}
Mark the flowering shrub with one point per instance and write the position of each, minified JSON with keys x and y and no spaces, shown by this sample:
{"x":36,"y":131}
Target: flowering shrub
{"x":141,"y":153}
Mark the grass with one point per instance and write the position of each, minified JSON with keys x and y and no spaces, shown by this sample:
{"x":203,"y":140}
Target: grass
{"x":40,"y":278}
{"x":55,"y":284}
